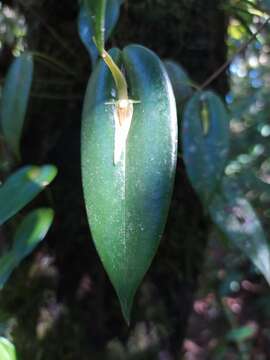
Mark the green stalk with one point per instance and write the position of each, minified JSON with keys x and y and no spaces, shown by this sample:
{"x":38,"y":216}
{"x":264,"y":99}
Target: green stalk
{"x":100,"y":25}
{"x":120,"y":81}
{"x":97,"y":12}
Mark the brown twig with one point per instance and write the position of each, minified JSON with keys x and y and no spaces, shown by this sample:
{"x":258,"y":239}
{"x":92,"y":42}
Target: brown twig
{"x":231,"y":59}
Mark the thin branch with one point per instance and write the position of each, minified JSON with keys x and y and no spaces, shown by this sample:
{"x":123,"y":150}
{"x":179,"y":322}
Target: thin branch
{"x":54,"y":62}
{"x":232,"y":58}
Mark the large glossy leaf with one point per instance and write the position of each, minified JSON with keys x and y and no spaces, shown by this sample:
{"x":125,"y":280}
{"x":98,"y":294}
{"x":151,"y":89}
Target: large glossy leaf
{"x":86,"y":26}
{"x":7,"y":350}
{"x":127,"y":203}
{"x":205,"y":137}
{"x":21,"y":187}
{"x":30,"y":232}
{"x":235,"y":217}
{"x":180,"y":82}
{"x":15,"y":98}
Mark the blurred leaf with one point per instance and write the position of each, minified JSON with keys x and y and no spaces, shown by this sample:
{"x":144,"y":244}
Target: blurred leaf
{"x":31,"y":231}
{"x":7,"y":350}
{"x":21,"y":187}
{"x":240,"y":107}
{"x":180,"y":81}
{"x":265,"y":5}
{"x":205,"y":136}
{"x":29,"y":234}
{"x":86,"y":26}
{"x":235,"y":217}
{"x":15,"y":98}
{"x":241,"y":334}
{"x":6,"y":267}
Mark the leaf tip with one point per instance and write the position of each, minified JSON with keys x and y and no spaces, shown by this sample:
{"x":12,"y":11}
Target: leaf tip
{"x":126,"y":310}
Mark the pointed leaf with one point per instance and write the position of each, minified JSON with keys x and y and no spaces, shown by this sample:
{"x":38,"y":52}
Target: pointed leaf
{"x":7,"y":350}
{"x":86,"y":26}
{"x":30,"y":233}
{"x":127,"y":203}
{"x":205,"y":135}
{"x":21,"y":187}
{"x":15,"y":98}
{"x":180,"y":82}
{"x":7,"y":265}
{"x":235,"y":217}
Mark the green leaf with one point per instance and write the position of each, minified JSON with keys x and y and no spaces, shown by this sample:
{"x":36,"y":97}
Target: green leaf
{"x":234,"y":216}
{"x":7,"y":350}
{"x":7,"y":265}
{"x":86,"y":26}
{"x":30,"y":232}
{"x":15,"y":98}
{"x":127,"y":203}
{"x":205,"y":136}
{"x":265,"y":5}
{"x":241,"y":334}
{"x":21,"y":187}
{"x":97,"y":11}
{"x":180,"y":82}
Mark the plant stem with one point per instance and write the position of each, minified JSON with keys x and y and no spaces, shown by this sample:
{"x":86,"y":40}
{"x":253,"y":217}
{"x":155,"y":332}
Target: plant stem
{"x":120,"y":81}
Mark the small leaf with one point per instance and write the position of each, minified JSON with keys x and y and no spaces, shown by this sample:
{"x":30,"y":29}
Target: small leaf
{"x":21,"y":187}
{"x":86,"y":26}
{"x":6,"y":267}
{"x":180,"y":82}
{"x":15,"y":98}
{"x":31,"y":231}
{"x":205,"y":135}
{"x":29,"y":234}
{"x":241,"y":334}
{"x":234,"y":216}
{"x":7,"y":350}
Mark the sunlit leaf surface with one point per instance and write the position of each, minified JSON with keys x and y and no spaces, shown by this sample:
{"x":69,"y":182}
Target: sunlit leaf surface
{"x":127,"y":202}
{"x":21,"y":187}
{"x":30,"y":232}
{"x":7,"y":350}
